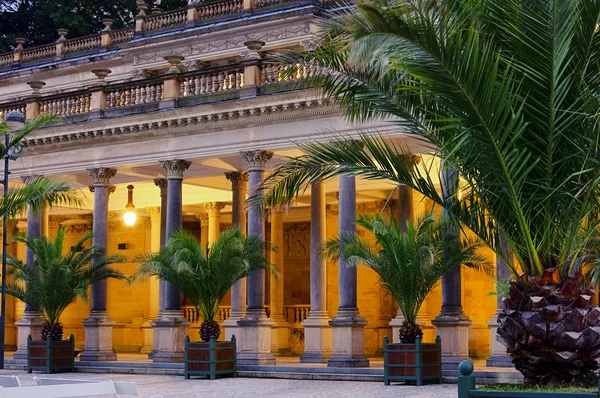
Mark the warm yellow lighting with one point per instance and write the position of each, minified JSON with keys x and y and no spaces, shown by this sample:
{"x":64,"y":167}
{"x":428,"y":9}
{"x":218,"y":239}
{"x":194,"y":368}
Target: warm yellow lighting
{"x":129,"y":218}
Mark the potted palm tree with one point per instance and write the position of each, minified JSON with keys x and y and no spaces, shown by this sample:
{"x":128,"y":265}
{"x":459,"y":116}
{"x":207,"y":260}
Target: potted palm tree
{"x":49,"y":285}
{"x":204,"y":280}
{"x":409,"y":265}
{"x":507,"y":93}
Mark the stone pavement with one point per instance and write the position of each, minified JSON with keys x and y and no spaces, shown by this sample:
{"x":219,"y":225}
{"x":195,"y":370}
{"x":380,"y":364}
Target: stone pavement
{"x":178,"y":387}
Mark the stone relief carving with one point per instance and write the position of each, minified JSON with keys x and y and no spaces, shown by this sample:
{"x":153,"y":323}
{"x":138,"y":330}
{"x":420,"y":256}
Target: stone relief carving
{"x":220,"y":45}
{"x":296,"y":240}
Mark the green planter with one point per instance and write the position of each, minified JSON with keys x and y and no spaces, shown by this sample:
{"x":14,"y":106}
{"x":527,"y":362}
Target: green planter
{"x":417,"y":362}
{"x":466,"y":388}
{"x":51,"y":356}
{"x":210,"y":359}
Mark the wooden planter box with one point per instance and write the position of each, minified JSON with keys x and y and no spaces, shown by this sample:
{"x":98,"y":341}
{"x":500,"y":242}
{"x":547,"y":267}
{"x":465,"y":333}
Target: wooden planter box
{"x":51,"y":356}
{"x":210,"y":359}
{"x":467,"y":389}
{"x":417,"y":362}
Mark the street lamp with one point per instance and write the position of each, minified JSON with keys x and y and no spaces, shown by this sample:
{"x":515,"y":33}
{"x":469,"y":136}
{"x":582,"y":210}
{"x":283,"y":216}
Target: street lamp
{"x":15,"y":121}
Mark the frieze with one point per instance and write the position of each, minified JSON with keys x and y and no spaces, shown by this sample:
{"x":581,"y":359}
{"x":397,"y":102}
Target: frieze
{"x":291,"y":32}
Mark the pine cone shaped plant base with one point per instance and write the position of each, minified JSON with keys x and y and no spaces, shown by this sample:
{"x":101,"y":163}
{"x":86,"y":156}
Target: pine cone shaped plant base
{"x":52,"y":331}
{"x":209,"y":329}
{"x":409,"y":332}
{"x":550,"y":329}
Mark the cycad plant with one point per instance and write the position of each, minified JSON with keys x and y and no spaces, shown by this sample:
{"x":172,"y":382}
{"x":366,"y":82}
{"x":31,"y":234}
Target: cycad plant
{"x":205,"y":279}
{"x":409,"y":264}
{"x":508,"y":92}
{"x":58,"y":276}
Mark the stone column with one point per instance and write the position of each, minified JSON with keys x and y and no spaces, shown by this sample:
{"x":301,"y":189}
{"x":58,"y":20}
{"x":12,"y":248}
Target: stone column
{"x":280,"y":332}
{"x":161,"y":183}
{"x":155,"y":230}
{"x":203,"y":218}
{"x":255,"y":344}
{"x":317,"y":332}
{"x":214,"y":220}
{"x":498,"y":356}
{"x":347,"y":326}
{"x":239,"y":188}
{"x":170,"y":328}
{"x":98,"y":326}
{"x":452,"y":325}
{"x":30,"y":323}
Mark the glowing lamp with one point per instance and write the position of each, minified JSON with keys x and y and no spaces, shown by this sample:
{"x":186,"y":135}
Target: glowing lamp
{"x":129,"y":217}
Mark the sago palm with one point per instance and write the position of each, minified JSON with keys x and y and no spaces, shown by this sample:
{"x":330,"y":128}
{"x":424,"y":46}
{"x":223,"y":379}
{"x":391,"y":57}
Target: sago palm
{"x":409,"y":264}
{"x":508,"y":93}
{"x":205,"y":279}
{"x":58,"y":277}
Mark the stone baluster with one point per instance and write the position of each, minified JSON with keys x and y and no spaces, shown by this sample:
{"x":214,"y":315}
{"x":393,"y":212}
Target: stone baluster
{"x":239,"y":188}
{"x":256,"y":327}
{"x":317,"y":332}
{"x":98,"y":326}
{"x":170,"y":327}
{"x":452,"y":325}
{"x":347,"y":326}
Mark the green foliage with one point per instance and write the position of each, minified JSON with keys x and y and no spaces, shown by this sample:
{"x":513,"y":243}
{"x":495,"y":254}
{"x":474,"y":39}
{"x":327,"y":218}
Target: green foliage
{"x":38,"y":20}
{"x":204,"y":280}
{"x":502,"y":287}
{"x":409,"y":264}
{"x":58,"y":277}
{"x":506,"y":90}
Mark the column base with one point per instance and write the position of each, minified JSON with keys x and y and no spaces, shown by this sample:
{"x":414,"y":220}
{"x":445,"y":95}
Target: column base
{"x":232,"y":328}
{"x":170,"y":329}
{"x":98,"y":345}
{"x":255,"y":344}
{"x":454,"y":332}
{"x":30,"y":324}
{"x":148,"y":333}
{"x":348,"y":330}
{"x":317,"y":338}
{"x":499,"y":357}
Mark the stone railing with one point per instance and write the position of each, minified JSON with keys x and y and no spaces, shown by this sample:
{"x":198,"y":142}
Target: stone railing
{"x":296,"y":313}
{"x":41,"y":52}
{"x":226,"y":7}
{"x":66,"y":106}
{"x":141,"y":93}
{"x":192,"y":314}
{"x":212,"y":82}
{"x":121,"y":35}
{"x":6,"y":59}
{"x":84,"y":43}
{"x":275,"y":73}
{"x":159,"y":21}
{"x":10,"y":108}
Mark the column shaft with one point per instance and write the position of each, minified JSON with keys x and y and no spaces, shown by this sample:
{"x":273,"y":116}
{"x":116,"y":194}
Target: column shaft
{"x":100,"y":228}
{"x":347,"y":224}
{"x":280,"y":330}
{"x":256,"y":227}
{"x":174,"y":222}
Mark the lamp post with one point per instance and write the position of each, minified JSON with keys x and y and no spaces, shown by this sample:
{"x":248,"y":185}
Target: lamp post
{"x":15,"y":121}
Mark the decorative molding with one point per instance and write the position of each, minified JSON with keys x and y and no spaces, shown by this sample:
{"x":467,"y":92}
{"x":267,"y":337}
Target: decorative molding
{"x":256,"y":159}
{"x":290,"y":32}
{"x":370,"y":207}
{"x":78,"y":228}
{"x":309,"y":44}
{"x":102,"y":175}
{"x":54,"y":221}
{"x":224,"y":226}
{"x":111,"y":188}
{"x":32,"y":178}
{"x":147,"y":223}
{"x":175,"y":167}
{"x":333,"y":210}
{"x":239,"y":179}
{"x":296,"y":240}
{"x":154,"y":212}
{"x":214,"y":208}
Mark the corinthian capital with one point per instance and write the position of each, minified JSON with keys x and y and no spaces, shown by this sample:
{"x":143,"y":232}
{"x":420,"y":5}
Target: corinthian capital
{"x":214,"y":208}
{"x":162,"y":184}
{"x":256,"y":159}
{"x":238,"y":179}
{"x":102,"y":175}
{"x":175,"y":168}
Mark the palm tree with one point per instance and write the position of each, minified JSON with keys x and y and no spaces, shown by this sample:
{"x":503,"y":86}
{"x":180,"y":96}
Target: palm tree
{"x":42,"y":192}
{"x":409,"y":264}
{"x":55,"y":280}
{"x":508,"y":91}
{"x":205,"y":279}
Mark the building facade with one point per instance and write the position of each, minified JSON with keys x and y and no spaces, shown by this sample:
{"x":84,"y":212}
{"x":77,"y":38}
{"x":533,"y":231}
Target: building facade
{"x":188,"y":109}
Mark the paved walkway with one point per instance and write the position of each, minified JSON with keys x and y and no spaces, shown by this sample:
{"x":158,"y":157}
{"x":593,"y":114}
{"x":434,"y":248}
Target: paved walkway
{"x":178,"y":387}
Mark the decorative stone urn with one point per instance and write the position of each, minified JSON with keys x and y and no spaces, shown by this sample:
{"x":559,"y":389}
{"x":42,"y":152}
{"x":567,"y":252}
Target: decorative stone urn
{"x":107,"y":24}
{"x":20,"y":41}
{"x":175,"y":62}
{"x":63,"y":34}
{"x":36,"y":85}
{"x":101,"y":73}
